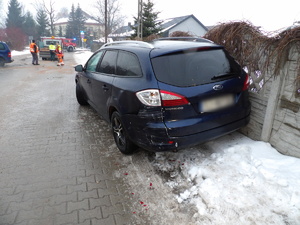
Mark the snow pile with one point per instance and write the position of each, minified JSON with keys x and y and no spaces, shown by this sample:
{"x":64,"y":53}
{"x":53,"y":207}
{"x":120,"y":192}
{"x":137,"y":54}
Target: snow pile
{"x":234,"y":180}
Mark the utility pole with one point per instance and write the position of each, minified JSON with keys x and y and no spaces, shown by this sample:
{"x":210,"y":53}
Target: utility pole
{"x":140,"y":19}
{"x":105,"y":12}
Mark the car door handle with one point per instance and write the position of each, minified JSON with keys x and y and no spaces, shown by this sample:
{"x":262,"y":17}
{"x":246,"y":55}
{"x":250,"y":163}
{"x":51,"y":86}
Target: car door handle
{"x":88,"y":81}
{"x":105,"y":88}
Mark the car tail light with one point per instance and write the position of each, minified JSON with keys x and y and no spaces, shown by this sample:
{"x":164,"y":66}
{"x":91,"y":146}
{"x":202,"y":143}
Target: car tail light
{"x":246,"y":82}
{"x":9,"y":54}
{"x":172,"y":99}
{"x":154,"y":97}
{"x":150,"y":97}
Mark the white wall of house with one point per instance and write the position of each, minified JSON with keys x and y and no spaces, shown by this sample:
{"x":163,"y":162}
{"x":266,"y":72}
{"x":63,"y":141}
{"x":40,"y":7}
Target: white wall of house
{"x":191,"y":26}
{"x":96,"y":29}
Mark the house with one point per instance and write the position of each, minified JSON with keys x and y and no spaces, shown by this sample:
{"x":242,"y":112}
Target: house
{"x":93,"y":29}
{"x":188,"y":24}
{"x":122,"y":33}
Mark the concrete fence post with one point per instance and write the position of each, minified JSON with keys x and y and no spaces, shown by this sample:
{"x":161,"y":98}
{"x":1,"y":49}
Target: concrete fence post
{"x":272,"y":104}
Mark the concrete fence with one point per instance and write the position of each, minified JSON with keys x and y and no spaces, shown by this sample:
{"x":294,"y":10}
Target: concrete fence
{"x":275,"y":114}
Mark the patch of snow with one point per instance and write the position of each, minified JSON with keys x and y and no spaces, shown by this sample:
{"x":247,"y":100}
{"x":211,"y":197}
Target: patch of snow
{"x":24,"y":52}
{"x":81,"y":55}
{"x":231,"y":180}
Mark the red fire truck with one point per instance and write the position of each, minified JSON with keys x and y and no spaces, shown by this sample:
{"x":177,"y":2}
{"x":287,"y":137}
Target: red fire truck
{"x":67,"y":43}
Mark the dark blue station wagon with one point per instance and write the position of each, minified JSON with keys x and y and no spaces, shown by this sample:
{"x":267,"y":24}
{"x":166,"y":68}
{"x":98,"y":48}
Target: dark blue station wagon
{"x":5,"y":54}
{"x":166,"y":94}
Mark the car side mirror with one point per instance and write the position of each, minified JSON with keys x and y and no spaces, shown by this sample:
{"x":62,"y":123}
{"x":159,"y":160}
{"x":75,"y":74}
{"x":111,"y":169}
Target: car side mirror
{"x":79,"y":68}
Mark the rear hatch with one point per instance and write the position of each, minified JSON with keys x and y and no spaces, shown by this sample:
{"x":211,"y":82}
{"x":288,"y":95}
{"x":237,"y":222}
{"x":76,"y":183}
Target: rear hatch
{"x":5,"y":52}
{"x":213,"y":84}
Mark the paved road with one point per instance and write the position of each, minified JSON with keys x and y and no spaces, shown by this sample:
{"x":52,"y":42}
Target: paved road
{"x":58,"y":161}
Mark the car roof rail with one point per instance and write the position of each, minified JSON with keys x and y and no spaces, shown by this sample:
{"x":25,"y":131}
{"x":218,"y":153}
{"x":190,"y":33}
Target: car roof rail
{"x":132,"y":43}
{"x":195,"y":39}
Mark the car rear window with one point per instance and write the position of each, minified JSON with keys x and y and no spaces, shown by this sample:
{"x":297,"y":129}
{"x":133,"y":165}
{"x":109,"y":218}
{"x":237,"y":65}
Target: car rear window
{"x":128,"y":64}
{"x":185,"y":69}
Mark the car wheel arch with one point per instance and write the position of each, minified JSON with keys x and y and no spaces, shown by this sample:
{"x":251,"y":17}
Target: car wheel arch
{"x":81,"y":95}
{"x":111,"y":110}
{"x":122,"y":140}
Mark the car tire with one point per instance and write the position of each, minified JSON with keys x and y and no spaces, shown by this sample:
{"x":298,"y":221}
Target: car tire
{"x":124,"y":144}
{"x":80,"y":96}
{"x":70,"y":49}
{"x":2,"y":62}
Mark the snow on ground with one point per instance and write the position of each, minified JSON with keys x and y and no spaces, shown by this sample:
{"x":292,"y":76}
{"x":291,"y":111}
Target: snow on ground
{"x":240,"y":181}
{"x":24,"y":52}
{"x":231,"y":180}
{"x":81,"y":55}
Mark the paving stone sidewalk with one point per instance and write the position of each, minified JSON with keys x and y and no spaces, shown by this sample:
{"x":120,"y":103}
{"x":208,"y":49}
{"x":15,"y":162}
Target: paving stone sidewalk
{"x":58,"y":161}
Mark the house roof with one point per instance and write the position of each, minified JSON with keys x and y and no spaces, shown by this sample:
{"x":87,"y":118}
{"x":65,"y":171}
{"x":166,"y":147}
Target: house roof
{"x":124,"y":31}
{"x":171,"y":22}
{"x":89,"y":20}
{"x":65,"y":21}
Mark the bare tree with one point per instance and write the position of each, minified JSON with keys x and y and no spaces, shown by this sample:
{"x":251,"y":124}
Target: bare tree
{"x":51,"y":12}
{"x":63,"y":13}
{"x":114,"y":18}
{"x":2,"y":19}
{"x":49,"y":9}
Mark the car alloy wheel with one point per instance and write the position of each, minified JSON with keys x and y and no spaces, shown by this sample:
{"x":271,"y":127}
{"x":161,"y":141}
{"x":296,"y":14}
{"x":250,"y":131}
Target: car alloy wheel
{"x":124,"y":144}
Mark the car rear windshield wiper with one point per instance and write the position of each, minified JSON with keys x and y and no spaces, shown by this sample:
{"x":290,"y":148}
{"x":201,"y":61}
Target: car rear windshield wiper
{"x":220,"y":76}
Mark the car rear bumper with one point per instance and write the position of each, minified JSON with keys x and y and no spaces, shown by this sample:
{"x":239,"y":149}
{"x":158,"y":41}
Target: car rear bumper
{"x":155,"y":138}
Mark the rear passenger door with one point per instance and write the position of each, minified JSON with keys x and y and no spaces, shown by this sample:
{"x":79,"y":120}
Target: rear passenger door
{"x":102,"y":82}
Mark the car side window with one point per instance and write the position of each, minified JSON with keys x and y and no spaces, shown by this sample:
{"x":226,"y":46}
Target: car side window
{"x":108,"y":63}
{"x":2,"y":46}
{"x":93,"y":62}
{"x":128,"y":64}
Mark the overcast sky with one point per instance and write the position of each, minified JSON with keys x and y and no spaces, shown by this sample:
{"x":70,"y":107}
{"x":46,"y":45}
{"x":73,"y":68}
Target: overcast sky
{"x":269,"y":14}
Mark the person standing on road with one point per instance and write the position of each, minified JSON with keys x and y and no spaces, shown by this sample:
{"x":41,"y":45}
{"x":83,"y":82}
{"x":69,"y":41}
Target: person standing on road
{"x":59,"y":54}
{"x":52,"y":51}
{"x":34,"y":49}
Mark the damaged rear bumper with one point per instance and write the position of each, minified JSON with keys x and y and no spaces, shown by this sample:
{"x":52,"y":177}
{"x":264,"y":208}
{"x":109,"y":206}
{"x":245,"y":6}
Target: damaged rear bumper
{"x":153,"y":136}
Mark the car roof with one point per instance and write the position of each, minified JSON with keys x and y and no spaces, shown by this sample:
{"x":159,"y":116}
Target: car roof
{"x":170,"y":46}
{"x":162,"y":46}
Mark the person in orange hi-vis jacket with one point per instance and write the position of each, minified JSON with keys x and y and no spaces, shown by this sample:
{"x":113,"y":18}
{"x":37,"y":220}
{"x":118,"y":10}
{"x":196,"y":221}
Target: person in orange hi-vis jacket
{"x":59,"y":54}
{"x":34,"y":49}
